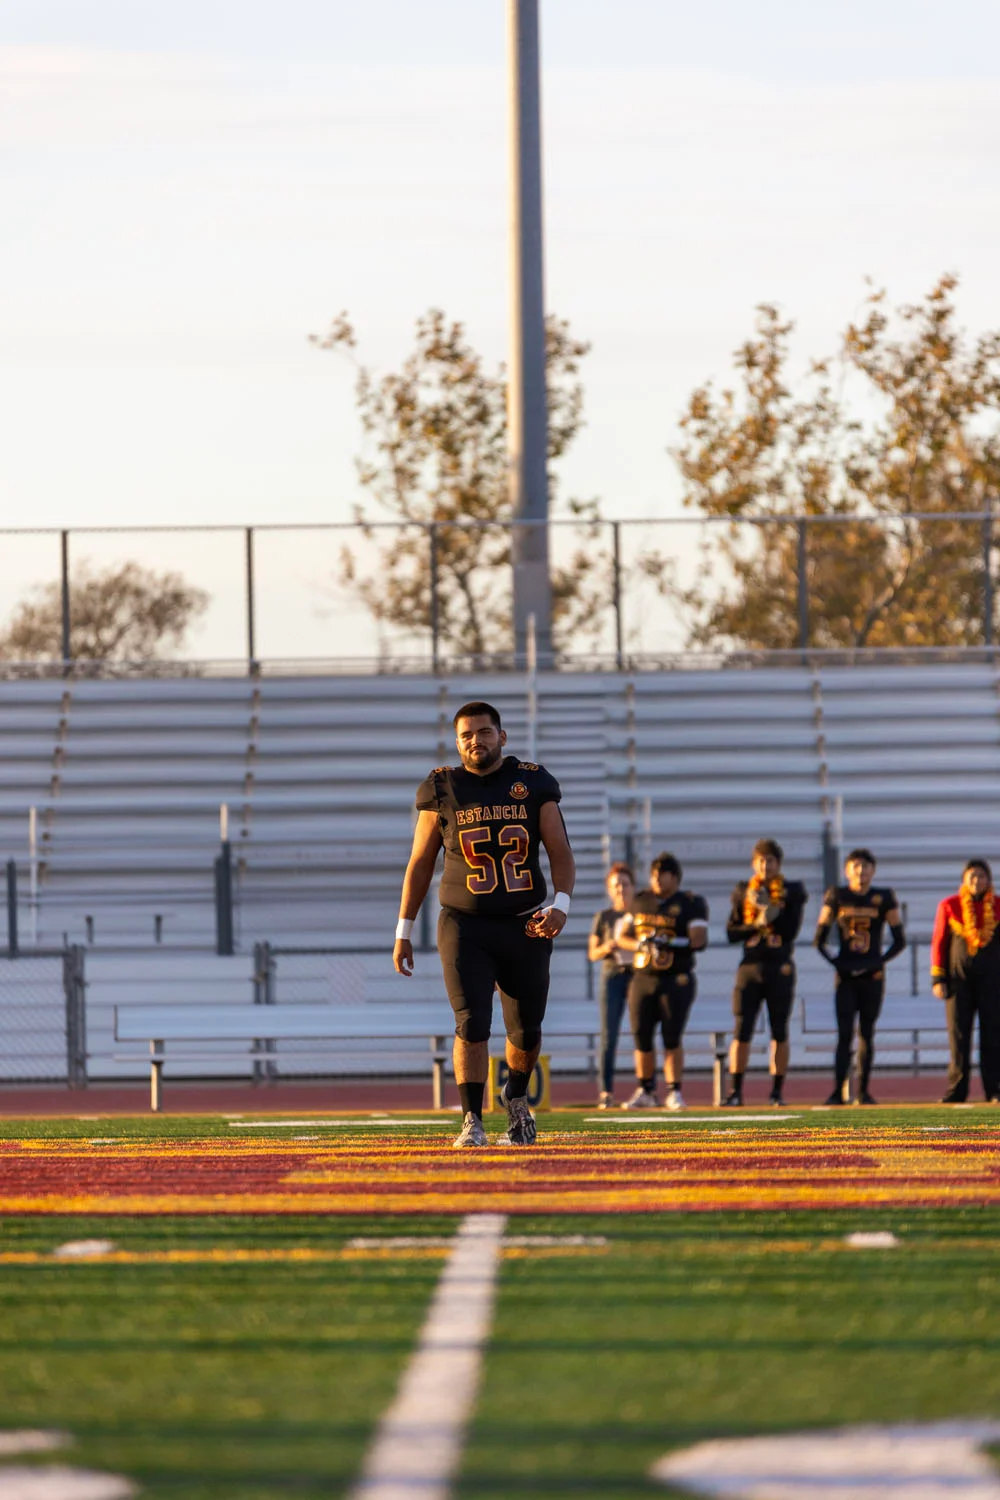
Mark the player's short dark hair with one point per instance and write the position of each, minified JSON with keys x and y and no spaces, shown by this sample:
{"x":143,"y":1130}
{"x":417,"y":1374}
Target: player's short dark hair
{"x":865,"y":854}
{"x":769,"y":846}
{"x":979,"y":864}
{"x":477,"y":711}
{"x":619,"y":868}
{"x":666,"y":864}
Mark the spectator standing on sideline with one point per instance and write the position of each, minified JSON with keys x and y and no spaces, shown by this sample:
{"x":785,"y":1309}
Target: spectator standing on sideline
{"x":616,"y":971}
{"x":965,"y":974}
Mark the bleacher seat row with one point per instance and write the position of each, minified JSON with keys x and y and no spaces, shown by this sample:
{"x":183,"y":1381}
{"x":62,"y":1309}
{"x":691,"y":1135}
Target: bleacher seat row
{"x":318,"y":775}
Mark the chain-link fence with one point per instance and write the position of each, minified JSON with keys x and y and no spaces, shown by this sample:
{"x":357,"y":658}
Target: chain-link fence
{"x":627,"y":592}
{"x":43,"y":1033}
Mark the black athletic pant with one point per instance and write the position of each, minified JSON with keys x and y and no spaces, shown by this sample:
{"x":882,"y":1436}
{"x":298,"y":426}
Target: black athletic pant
{"x":859,"y":997}
{"x":975,"y":993}
{"x":480,"y":954}
{"x":772,"y":985}
{"x":659,"y":1000}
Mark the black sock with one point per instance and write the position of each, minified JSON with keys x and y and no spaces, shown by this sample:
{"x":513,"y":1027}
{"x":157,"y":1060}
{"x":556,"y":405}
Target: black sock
{"x":736,"y":1079}
{"x":471,"y":1095}
{"x":648,"y":1084}
{"x":517,"y":1083}
{"x":777,"y":1084}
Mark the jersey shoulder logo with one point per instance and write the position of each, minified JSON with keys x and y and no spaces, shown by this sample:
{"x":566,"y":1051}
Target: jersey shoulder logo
{"x":876,"y":901}
{"x":673,"y":911}
{"x":526,"y":765}
{"x":519,"y":790}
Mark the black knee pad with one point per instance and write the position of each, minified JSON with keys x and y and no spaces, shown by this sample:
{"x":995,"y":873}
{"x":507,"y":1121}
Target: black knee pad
{"x":525,"y":1038}
{"x":744,"y":1026}
{"x":672,"y":1035}
{"x":642,"y":1037}
{"x":469,"y":1028}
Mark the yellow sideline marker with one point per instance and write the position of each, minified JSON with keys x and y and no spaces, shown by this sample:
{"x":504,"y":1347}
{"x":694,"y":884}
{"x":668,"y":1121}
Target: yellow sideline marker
{"x":539,"y":1085}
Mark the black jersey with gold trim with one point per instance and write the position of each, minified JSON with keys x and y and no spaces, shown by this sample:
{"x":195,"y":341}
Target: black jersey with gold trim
{"x":860,"y":920}
{"x":490,"y":829}
{"x":775,"y":943}
{"x":657,"y":921}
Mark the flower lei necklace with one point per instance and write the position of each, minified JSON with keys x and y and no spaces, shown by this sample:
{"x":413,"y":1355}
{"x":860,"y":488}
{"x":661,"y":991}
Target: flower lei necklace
{"x":977,"y":934}
{"x":775,"y":893}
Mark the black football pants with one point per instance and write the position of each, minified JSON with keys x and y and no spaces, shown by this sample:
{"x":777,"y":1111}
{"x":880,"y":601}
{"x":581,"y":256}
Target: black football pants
{"x":480,"y":954}
{"x":862,"y":998}
{"x":978,"y":993}
{"x":659,"y":1000}
{"x":772,"y":985}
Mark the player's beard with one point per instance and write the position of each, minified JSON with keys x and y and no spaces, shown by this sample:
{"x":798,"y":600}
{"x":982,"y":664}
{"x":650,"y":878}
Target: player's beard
{"x":479,"y":765}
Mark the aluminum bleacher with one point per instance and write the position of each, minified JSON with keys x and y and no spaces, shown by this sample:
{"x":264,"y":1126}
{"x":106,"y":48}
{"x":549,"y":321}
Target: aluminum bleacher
{"x":318,"y":774}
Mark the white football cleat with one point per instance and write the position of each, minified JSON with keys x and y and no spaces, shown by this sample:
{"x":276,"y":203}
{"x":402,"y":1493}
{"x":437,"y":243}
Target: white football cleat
{"x":642,"y":1099}
{"x":675,"y":1099}
{"x":471,"y":1133}
{"x":606,"y":1101}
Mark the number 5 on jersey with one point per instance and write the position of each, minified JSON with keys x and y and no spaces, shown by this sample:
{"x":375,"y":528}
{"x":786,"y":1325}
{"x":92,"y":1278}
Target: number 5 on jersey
{"x":513,"y":837}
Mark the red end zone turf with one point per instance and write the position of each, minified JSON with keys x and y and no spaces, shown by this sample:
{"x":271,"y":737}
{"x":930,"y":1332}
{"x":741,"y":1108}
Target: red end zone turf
{"x":566,"y":1173}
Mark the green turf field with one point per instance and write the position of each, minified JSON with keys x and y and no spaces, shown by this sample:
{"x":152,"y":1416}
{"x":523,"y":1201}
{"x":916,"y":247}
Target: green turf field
{"x":232,"y":1126}
{"x":251,"y":1381}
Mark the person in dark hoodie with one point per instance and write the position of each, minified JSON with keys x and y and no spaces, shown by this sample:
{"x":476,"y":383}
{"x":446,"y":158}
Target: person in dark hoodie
{"x":965,"y":974}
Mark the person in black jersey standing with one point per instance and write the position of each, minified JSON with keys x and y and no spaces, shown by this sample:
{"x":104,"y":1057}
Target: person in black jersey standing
{"x":492,"y":814}
{"x":860,"y":912}
{"x":664,"y":928}
{"x":765,"y":917}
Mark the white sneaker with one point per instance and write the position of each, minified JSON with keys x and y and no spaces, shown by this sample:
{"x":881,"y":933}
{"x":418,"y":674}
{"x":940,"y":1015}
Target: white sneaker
{"x":675,"y":1099}
{"x":642,"y":1099}
{"x":471,"y":1133}
{"x":605,"y":1101}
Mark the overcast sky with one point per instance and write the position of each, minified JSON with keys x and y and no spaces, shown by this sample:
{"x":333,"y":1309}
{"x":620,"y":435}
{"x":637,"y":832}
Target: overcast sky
{"x":191,"y":188}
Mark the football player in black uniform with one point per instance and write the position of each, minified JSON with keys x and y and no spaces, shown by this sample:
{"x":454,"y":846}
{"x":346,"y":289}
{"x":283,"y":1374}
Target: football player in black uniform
{"x":664,"y":927}
{"x":860,"y":911}
{"x":491,"y":814}
{"x":765,"y":917}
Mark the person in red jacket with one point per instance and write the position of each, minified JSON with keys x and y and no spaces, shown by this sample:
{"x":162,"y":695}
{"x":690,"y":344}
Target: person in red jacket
{"x":965,"y":974}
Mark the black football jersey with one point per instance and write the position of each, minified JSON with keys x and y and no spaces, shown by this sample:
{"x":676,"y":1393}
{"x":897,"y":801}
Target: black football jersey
{"x":860,"y":920}
{"x":776,"y":942}
{"x":657,"y":919}
{"x":490,"y":831}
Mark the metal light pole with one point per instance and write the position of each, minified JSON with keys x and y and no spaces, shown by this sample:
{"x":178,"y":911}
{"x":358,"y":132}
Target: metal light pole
{"x":527,"y":413}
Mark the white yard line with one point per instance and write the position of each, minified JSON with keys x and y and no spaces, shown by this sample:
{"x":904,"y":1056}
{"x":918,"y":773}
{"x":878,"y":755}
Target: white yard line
{"x":418,"y":1444}
{"x":360,"y":1123}
{"x":437,"y":1241}
{"x":646,"y":1117}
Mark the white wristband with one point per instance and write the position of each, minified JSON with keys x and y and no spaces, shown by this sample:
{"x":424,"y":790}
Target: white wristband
{"x":561,"y":902}
{"x":403,"y":929}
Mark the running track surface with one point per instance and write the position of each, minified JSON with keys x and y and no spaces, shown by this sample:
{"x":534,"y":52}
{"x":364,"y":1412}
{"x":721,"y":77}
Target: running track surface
{"x":743,"y":1168}
{"x":292,"y":1096}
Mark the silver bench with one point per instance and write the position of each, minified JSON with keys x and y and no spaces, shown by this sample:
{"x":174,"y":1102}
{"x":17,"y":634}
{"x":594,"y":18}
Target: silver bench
{"x":260,"y":1025}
